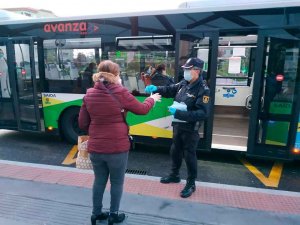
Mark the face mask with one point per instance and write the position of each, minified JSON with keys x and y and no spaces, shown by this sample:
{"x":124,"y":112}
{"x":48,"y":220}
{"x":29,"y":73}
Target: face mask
{"x":149,"y":70}
{"x":120,"y":81}
{"x":1,"y":55}
{"x":187,"y":75}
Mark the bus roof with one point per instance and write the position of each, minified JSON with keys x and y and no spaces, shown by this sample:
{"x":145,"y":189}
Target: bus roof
{"x":187,"y":7}
{"x":10,"y":16}
{"x":238,"y":4}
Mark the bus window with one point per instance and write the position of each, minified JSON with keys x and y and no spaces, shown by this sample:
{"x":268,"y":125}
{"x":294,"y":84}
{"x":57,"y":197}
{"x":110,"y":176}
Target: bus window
{"x":194,"y":46}
{"x":133,"y":63}
{"x":234,"y":60}
{"x":23,"y":69}
{"x":281,"y":75}
{"x":134,"y":55}
{"x":233,"y":64}
{"x":70,"y":60}
{"x":5,"y":91}
{"x":7,"y":115}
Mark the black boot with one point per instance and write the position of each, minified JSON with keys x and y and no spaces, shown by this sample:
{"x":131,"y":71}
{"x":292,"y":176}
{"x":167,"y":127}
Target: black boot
{"x":172,"y":178}
{"x":115,"y":218}
{"x":102,"y":216}
{"x":189,"y":188}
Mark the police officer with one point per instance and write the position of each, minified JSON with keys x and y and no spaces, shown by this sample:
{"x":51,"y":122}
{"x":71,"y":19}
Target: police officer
{"x":194,"y":93}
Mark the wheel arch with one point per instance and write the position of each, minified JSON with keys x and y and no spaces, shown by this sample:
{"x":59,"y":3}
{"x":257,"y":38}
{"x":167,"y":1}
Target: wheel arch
{"x":73,"y":108}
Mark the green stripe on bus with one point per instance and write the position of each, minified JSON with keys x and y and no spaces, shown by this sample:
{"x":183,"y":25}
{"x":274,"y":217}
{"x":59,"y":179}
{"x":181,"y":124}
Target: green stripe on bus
{"x":160,"y":110}
{"x":52,"y":113}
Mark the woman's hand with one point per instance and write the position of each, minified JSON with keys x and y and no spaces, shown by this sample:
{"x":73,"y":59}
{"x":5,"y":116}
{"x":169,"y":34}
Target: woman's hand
{"x":156,"y":97}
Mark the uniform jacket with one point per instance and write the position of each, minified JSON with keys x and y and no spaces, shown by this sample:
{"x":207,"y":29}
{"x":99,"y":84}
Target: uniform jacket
{"x":195,"y":96}
{"x":101,"y":116}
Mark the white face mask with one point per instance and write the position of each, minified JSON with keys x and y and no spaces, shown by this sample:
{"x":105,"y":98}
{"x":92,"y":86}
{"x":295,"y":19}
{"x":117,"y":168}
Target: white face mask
{"x":187,"y":75}
{"x":149,"y":71}
{"x":120,"y":81}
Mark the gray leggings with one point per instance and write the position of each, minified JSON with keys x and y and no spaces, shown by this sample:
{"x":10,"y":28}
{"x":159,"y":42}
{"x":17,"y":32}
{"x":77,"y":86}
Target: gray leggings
{"x":114,"y":166}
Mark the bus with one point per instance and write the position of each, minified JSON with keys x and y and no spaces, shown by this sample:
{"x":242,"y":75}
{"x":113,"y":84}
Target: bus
{"x":251,"y":52}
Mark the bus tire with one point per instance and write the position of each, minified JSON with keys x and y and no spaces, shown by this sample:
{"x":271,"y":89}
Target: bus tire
{"x":69,"y":125}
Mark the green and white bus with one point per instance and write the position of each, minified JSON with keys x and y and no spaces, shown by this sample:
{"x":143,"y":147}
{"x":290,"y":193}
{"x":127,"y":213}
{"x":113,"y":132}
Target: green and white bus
{"x":251,"y":52}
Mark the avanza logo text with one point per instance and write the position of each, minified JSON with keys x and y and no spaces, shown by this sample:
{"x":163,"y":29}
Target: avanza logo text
{"x":66,"y":27}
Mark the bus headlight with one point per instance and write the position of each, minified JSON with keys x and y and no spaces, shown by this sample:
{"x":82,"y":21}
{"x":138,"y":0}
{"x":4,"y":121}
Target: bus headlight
{"x":50,"y":128}
{"x":296,"y":151}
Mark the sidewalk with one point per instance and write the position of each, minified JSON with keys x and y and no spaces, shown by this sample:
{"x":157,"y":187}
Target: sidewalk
{"x":32,"y":194}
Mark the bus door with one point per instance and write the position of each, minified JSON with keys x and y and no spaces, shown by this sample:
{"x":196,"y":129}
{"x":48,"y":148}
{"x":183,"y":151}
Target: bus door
{"x":275,"y":101}
{"x":19,"y":103}
{"x":203,"y":45}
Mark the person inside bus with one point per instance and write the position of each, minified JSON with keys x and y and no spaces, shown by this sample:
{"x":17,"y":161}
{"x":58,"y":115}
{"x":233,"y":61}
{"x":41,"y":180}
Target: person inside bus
{"x":104,"y":124}
{"x":87,"y":80}
{"x":159,"y":76}
{"x":193,"y":93}
{"x":146,"y":75}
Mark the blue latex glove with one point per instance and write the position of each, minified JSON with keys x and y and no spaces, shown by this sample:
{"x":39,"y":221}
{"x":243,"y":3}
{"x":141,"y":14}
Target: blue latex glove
{"x":150,"y":88}
{"x":172,"y":110}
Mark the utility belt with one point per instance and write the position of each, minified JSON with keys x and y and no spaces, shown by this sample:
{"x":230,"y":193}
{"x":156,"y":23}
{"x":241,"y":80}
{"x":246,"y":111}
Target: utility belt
{"x":195,"y":126}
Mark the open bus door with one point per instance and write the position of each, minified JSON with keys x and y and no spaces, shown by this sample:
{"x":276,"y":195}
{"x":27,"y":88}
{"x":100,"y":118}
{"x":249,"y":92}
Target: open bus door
{"x":275,"y":101}
{"x":203,"y":45}
{"x":19,"y":109}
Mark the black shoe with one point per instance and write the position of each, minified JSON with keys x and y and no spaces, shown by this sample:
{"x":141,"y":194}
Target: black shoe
{"x":102,"y":216}
{"x":170,"y":179}
{"x":115,"y":218}
{"x":188,"y":190}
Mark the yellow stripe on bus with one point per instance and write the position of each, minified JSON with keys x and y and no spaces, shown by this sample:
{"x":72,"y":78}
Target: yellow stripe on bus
{"x":50,"y":101}
{"x":150,"y":131}
{"x":275,"y":143}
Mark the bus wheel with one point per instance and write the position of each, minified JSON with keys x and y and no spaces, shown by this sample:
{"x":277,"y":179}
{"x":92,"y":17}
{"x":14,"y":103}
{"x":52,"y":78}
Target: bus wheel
{"x":69,"y":125}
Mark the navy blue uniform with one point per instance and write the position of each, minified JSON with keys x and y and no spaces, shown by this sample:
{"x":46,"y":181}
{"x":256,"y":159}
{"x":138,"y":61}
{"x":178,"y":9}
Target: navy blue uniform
{"x":185,"y":134}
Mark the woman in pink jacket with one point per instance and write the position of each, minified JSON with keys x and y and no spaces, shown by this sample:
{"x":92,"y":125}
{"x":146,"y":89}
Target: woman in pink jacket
{"x":101,"y":116}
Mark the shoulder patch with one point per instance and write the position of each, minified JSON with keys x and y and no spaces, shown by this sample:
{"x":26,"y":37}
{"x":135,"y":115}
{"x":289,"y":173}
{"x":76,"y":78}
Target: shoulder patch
{"x":205,"y":99}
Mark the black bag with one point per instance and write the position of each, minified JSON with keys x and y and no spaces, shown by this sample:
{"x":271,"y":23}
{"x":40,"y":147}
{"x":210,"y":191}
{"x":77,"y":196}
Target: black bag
{"x":131,"y":141}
